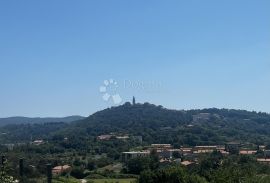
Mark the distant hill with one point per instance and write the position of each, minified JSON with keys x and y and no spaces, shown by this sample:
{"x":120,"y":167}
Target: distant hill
{"x":179,"y":127}
{"x":157,"y":124}
{"x":26,"y":120}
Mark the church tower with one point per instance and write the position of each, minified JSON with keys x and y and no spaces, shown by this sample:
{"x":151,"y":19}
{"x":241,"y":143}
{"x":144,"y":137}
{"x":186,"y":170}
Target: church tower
{"x":133,"y":101}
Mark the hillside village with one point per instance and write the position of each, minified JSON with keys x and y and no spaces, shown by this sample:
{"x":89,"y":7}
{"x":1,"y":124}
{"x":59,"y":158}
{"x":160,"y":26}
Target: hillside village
{"x":190,"y":155}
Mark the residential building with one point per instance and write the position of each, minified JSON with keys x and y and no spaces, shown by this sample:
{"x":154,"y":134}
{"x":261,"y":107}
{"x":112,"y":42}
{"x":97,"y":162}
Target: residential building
{"x":104,"y":137}
{"x":126,"y":137}
{"x":58,"y":170}
{"x":201,"y":117}
{"x":232,"y":147}
{"x":187,"y":163}
{"x":161,"y":146}
{"x":264,"y":161}
{"x":38,"y":142}
{"x":261,"y":147}
{"x":267,"y":153}
{"x":247,"y":152}
{"x":130,"y":155}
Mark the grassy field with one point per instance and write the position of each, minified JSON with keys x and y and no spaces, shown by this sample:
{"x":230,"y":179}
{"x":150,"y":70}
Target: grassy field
{"x":65,"y":180}
{"x":111,"y":180}
{"x":113,"y":167}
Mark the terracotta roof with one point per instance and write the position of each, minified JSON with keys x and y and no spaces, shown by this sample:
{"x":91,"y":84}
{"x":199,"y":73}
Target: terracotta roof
{"x":60,"y":169}
{"x":264,"y":160}
{"x":186,"y":163}
{"x":203,"y":151}
{"x":247,"y":152}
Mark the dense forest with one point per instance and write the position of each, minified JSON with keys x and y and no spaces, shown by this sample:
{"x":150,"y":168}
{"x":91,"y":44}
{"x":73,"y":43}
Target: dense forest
{"x":156,"y":125}
{"x":159,"y":125}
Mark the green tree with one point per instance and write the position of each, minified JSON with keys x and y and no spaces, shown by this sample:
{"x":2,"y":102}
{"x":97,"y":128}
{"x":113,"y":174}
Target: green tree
{"x":4,"y":177}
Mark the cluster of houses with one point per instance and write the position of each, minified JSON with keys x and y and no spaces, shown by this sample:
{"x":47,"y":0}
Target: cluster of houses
{"x":167,"y":153}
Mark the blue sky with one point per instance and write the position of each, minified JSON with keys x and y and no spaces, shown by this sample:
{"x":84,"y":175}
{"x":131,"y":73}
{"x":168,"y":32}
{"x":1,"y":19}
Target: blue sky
{"x":55,"y":55}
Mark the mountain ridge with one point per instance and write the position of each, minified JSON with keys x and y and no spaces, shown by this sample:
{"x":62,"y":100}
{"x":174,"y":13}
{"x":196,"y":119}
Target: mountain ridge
{"x":37,"y":120}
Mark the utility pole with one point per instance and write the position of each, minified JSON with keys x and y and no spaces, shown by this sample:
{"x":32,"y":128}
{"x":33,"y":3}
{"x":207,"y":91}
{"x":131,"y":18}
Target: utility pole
{"x":21,"y":168}
{"x":49,"y":173}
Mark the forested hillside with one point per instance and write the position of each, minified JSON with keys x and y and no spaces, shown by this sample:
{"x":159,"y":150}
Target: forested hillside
{"x":78,"y":144}
{"x":193,"y":127}
{"x":158,"y":125}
